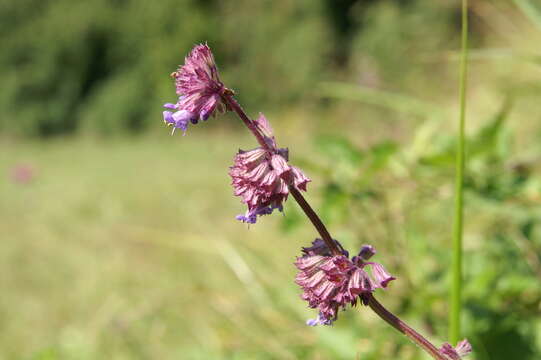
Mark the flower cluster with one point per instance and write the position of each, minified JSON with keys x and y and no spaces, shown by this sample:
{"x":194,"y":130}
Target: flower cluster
{"x":462,"y":349}
{"x":261,"y":177}
{"x":199,"y":88}
{"x":330,"y":282}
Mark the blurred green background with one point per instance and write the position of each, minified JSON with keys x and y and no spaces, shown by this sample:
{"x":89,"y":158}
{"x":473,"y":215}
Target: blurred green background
{"x":118,"y":241}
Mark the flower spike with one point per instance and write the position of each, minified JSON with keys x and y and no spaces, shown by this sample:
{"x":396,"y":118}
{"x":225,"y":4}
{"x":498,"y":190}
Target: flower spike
{"x":199,"y":88}
{"x":262,"y":177}
{"x":331,"y":282}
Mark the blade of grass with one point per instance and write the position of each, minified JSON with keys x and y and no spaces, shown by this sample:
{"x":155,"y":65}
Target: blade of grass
{"x":458,"y":228}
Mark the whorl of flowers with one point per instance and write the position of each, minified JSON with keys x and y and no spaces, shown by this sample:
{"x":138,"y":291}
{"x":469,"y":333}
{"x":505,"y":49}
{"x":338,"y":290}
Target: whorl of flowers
{"x":462,"y":349}
{"x":330,"y":282}
{"x":199,"y":88}
{"x":261,"y":176}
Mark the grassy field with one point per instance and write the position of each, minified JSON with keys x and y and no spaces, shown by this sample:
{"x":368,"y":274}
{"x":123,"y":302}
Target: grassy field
{"x":129,"y":250}
{"x":119,"y":247}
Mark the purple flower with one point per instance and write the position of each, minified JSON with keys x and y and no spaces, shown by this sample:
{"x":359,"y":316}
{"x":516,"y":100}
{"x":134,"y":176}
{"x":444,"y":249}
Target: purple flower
{"x":199,"y":88}
{"x":462,"y":349}
{"x":261,"y":178}
{"x":381,"y":276}
{"x":331,"y":282}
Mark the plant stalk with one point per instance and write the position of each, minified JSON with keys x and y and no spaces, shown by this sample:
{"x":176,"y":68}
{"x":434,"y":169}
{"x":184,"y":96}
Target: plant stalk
{"x":458,"y":227}
{"x":316,"y":221}
{"x":402,"y":327}
{"x":230,"y":100}
{"x":381,"y":311}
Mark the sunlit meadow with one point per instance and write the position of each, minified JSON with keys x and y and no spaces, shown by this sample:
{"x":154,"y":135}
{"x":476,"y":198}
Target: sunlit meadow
{"x":119,"y":241}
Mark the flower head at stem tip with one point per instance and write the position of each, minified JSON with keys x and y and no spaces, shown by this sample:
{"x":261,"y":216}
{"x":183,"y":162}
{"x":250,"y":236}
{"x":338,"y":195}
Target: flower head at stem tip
{"x":199,"y":89}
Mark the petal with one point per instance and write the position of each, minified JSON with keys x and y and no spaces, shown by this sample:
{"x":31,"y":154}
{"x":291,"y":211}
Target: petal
{"x":180,"y":119}
{"x":360,"y":282}
{"x":263,"y":125}
{"x":269,"y":178}
{"x":252,"y":155}
{"x":258,"y":172}
{"x":463,"y":348}
{"x":449,"y":351}
{"x":279,"y":164}
{"x":308,"y":262}
{"x":247,"y":218}
{"x":320,"y":320}
{"x":381,"y":276}
{"x":299,"y":179}
{"x":208,"y":108}
{"x":168,"y":117}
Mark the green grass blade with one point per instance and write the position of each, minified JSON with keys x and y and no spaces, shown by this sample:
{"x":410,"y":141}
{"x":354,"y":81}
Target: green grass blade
{"x":456,"y":287}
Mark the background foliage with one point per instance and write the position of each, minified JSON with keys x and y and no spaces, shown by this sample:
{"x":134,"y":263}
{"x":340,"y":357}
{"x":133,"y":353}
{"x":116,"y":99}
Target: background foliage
{"x":104,"y":67}
{"x":125,"y":247}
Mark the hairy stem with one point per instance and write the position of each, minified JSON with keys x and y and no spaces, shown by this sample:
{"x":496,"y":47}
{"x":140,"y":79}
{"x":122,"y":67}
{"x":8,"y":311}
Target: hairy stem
{"x":458,"y":227}
{"x":318,"y":224}
{"x":401,"y":326}
{"x":230,"y":100}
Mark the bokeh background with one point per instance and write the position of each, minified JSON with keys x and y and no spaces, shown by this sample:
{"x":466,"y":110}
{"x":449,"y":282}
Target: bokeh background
{"x":118,"y":241}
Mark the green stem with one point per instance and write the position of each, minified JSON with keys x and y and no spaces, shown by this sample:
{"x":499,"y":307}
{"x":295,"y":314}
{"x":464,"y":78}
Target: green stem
{"x":458,"y":228}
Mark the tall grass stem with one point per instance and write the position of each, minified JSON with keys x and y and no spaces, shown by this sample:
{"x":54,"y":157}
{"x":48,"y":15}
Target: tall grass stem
{"x":458,"y":227}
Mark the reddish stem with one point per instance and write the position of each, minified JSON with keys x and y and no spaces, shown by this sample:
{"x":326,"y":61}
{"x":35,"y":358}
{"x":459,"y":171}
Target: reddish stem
{"x":401,"y":326}
{"x":249,"y":123}
{"x":318,"y":224}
